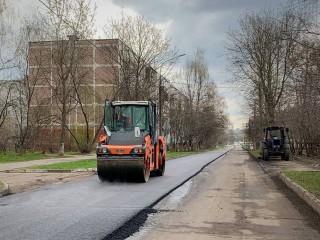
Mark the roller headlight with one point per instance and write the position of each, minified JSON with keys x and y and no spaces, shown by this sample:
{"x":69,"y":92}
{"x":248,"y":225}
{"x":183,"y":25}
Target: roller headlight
{"x":103,"y":150}
{"x":138,"y":150}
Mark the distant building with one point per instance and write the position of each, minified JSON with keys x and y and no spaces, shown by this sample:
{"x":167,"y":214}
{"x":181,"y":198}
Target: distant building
{"x":93,"y":66}
{"x":66,"y":69}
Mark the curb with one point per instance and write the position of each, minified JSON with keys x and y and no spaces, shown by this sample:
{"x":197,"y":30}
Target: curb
{"x":306,"y":196}
{"x":5,"y":190}
{"x":309,"y":198}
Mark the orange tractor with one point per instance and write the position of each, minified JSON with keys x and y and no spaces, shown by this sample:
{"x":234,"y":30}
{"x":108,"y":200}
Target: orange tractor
{"x":130,"y":147}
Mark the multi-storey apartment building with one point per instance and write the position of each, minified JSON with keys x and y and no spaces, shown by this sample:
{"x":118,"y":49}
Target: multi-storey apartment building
{"x":70,"y":80}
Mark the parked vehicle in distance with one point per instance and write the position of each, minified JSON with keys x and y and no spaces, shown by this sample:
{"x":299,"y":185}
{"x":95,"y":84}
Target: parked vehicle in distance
{"x":275,"y":143}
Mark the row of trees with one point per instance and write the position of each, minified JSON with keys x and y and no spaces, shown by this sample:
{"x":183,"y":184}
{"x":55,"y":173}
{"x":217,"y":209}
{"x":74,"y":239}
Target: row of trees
{"x":143,"y":52}
{"x":274,"y":56}
{"x":197,"y":116}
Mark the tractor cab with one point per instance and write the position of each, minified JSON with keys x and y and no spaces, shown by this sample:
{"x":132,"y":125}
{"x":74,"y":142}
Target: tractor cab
{"x":275,"y":136}
{"x":275,"y":143}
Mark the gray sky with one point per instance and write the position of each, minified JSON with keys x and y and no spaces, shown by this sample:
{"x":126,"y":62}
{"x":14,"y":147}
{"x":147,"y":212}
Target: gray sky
{"x":191,"y":24}
{"x":203,"y":23}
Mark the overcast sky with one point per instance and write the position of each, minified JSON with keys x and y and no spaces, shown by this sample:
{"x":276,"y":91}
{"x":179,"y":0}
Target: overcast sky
{"x":191,"y":24}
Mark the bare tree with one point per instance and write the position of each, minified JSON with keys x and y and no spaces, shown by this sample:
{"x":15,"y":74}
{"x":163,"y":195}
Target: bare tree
{"x":143,"y":50}
{"x":275,"y":55}
{"x":30,"y":112}
{"x":204,"y":120}
{"x":6,"y":64}
{"x":6,"y":39}
{"x":74,"y":19}
{"x":263,"y":53}
{"x":69,"y":17}
{"x":6,"y":100}
{"x":301,"y":113}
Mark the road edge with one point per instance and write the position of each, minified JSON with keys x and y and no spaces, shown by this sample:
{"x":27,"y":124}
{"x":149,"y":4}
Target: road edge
{"x":5,"y":190}
{"x":143,"y":213}
{"x":51,"y":170}
{"x":309,"y":198}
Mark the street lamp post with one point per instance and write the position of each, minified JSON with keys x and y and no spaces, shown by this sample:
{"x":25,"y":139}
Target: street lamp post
{"x":160,"y":93}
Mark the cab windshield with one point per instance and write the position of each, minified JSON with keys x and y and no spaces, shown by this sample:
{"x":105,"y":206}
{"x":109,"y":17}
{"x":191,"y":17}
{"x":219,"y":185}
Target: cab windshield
{"x":127,"y":117}
{"x":275,"y":134}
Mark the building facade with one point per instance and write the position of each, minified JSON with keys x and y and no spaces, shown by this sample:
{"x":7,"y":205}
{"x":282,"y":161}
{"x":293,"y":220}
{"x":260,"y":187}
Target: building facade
{"x":70,"y":80}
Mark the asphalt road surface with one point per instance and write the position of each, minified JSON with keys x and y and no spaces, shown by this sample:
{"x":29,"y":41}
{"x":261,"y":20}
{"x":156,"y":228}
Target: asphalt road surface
{"x":90,"y":209}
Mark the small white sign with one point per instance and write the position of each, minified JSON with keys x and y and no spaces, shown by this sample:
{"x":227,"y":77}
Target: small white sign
{"x":137,"y":132}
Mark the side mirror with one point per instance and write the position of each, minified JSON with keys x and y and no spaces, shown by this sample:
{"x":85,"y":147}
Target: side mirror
{"x":287,"y":129}
{"x":107,"y":131}
{"x":264,"y":130}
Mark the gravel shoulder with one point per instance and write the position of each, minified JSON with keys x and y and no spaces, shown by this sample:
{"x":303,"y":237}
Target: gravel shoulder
{"x":16,"y":182}
{"x":20,"y":182}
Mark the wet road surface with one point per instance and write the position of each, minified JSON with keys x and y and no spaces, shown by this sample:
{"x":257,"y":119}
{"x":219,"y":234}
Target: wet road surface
{"x":89,"y":209}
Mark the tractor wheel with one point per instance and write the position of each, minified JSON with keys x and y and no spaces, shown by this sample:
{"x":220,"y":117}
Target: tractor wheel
{"x":265,"y":154}
{"x":144,"y":175}
{"x":286,"y":156}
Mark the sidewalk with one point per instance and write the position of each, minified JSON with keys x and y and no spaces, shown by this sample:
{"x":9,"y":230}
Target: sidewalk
{"x":16,"y":181}
{"x":275,"y":167}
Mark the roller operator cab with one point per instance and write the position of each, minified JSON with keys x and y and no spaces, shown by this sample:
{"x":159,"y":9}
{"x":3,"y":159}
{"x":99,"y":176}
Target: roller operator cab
{"x":130,"y":147}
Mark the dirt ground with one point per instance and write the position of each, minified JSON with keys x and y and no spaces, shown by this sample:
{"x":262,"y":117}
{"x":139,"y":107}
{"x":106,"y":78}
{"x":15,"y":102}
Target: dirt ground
{"x":232,"y":198}
{"x":20,"y":182}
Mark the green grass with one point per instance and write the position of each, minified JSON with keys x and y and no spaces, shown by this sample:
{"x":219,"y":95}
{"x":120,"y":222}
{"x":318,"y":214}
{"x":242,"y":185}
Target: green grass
{"x":255,"y":153}
{"x":81,"y":164}
{"x":217,"y":147}
{"x":92,"y":163}
{"x":11,"y":157}
{"x":171,"y":155}
{"x":309,"y":180}
{"x":1,"y":185}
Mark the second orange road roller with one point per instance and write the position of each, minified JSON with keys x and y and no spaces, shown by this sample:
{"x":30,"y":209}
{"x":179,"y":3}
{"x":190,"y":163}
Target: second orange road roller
{"x":130,"y":147}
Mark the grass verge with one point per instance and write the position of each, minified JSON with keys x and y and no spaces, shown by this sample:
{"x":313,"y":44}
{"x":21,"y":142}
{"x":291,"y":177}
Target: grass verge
{"x":81,"y":164}
{"x":171,"y":155}
{"x":309,"y":180}
{"x":255,"y":153}
{"x":11,"y":157}
{"x":92,"y":163}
